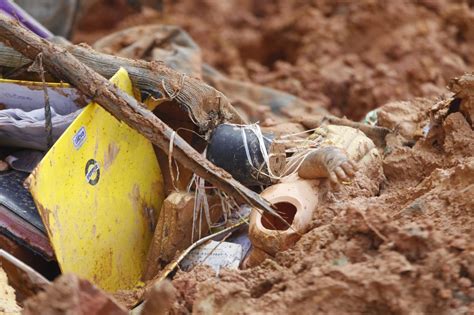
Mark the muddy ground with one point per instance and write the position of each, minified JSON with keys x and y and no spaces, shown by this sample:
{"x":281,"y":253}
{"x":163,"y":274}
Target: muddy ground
{"x":408,"y":247}
{"x":350,"y":56}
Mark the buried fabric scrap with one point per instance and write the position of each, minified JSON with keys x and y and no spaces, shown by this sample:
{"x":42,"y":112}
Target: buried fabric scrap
{"x":27,"y":129}
{"x":24,"y":160}
{"x":29,"y":95}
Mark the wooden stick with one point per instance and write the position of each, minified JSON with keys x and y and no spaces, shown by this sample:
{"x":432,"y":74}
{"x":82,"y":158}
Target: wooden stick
{"x":64,"y":65}
{"x":206,"y":106}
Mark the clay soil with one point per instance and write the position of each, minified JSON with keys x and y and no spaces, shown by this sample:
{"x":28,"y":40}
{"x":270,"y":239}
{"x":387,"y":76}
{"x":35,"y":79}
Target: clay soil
{"x":406,"y":247}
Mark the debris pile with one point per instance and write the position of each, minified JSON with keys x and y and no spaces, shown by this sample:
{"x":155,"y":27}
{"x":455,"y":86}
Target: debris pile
{"x":137,"y":178}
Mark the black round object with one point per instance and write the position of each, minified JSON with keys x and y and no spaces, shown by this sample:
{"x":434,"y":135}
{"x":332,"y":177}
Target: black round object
{"x":226,"y":149}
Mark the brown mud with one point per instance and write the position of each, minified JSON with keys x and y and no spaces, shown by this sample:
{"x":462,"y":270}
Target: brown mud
{"x":8,"y":303}
{"x":407,"y":249}
{"x":404,"y":247}
{"x":350,"y":56}
{"x":70,"y":295}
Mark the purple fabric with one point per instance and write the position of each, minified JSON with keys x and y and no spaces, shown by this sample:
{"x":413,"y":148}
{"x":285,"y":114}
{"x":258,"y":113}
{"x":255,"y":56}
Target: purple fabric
{"x":16,"y":12}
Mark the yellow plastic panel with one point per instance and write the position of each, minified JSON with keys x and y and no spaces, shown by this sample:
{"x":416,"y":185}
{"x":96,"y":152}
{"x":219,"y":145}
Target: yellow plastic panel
{"x":99,"y":191}
{"x":36,"y":83}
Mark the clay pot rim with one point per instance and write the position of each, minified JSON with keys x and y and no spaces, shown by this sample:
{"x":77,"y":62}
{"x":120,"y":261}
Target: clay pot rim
{"x":297,"y":219}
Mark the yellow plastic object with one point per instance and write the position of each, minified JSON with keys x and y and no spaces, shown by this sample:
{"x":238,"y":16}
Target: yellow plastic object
{"x":99,"y":191}
{"x":36,"y":83}
{"x":152,"y":103}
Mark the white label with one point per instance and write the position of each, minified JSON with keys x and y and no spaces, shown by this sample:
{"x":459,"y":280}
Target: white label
{"x":214,"y":254}
{"x":79,"y":138}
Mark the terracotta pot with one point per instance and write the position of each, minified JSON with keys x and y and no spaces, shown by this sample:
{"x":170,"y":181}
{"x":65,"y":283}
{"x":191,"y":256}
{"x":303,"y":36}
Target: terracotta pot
{"x":295,"y":200}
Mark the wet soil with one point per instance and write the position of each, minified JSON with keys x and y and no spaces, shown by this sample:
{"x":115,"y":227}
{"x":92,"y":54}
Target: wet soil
{"x":406,"y":247}
{"x":350,"y":56}
{"x":8,"y":303}
{"x":408,"y":250}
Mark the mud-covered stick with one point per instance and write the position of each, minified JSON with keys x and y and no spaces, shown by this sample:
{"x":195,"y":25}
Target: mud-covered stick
{"x":206,"y":105}
{"x":64,"y":65}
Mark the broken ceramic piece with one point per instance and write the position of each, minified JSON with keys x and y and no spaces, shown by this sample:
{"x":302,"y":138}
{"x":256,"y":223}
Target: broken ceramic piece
{"x":174,"y":230}
{"x":295,"y":200}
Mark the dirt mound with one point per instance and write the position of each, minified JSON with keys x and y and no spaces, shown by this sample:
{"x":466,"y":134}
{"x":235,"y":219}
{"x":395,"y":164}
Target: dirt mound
{"x":349,"y":55}
{"x":407,"y":251}
{"x":352,"y":55}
